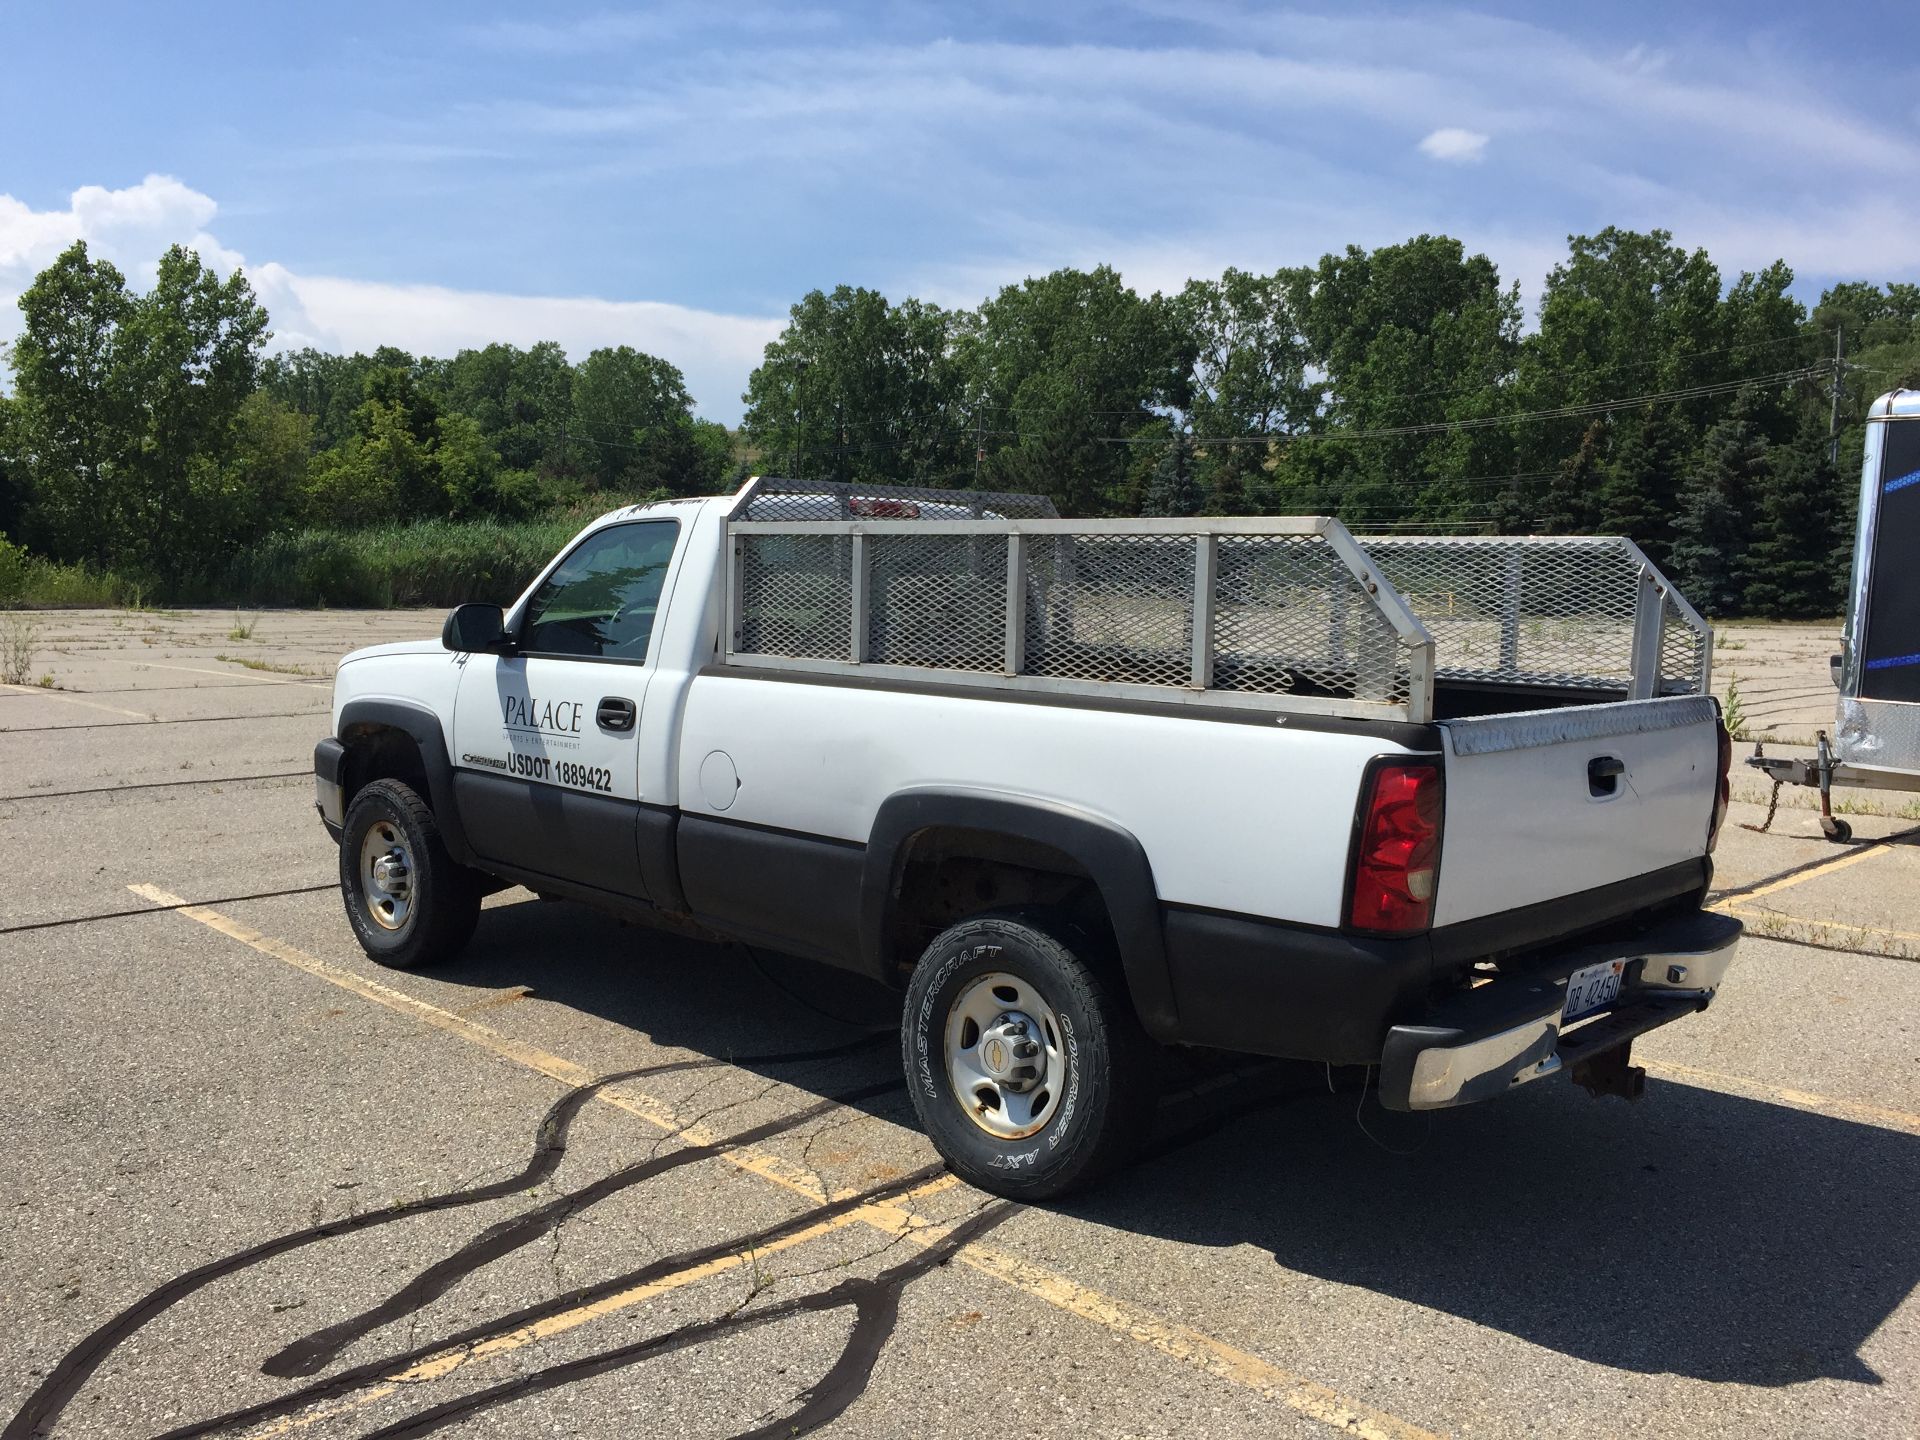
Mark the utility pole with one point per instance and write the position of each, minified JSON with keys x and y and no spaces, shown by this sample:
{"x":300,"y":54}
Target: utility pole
{"x":979,"y":443}
{"x":1833,"y":418}
{"x":800,"y":408}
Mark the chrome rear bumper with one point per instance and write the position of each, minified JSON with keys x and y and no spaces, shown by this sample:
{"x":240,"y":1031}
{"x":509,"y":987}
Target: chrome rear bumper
{"x":1485,"y":1041}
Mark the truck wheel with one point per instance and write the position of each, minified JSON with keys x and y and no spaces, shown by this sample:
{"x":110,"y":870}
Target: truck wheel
{"x":409,"y":903}
{"x":1029,"y":1071}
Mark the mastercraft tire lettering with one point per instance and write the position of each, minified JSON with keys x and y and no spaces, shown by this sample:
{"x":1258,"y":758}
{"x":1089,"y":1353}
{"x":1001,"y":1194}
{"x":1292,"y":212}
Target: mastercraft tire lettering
{"x":1023,"y":1056}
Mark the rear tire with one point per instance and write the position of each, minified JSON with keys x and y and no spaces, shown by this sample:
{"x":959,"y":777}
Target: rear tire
{"x":409,"y":902}
{"x":1066,"y":1095}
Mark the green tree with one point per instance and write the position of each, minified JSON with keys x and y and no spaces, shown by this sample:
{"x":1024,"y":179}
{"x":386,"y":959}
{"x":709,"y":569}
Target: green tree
{"x":1763,"y":330}
{"x":857,"y":388}
{"x":1637,"y":495}
{"x":1790,"y":568}
{"x":263,"y":484}
{"x":633,"y":421}
{"x":1572,"y":502}
{"x":1412,"y":339}
{"x":192,"y":345}
{"x":76,"y":419}
{"x":1250,"y":385}
{"x":522,"y":400}
{"x":1715,"y":520}
{"x":13,"y":467}
{"x":1627,"y":313}
{"x":326,"y":388}
{"x":1062,"y":371}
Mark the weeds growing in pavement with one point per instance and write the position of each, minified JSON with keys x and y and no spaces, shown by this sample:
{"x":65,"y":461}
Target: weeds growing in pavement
{"x":19,"y":638}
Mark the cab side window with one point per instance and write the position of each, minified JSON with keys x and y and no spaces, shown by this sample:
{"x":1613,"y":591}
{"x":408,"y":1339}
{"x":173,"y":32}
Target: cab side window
{"x":600,"y":602}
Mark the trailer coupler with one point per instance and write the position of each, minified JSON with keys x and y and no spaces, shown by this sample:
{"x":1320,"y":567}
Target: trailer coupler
{"x":1815,"y":772}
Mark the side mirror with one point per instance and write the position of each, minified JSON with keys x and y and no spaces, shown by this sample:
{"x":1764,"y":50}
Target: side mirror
{"x":474,"y":628}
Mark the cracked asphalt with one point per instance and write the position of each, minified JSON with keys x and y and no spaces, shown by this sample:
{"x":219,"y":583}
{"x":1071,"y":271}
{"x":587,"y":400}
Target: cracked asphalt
{"x":595,"y":1181}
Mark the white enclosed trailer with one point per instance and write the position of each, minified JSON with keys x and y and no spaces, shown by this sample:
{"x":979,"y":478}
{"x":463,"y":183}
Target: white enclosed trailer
{"x":1876,"y":737}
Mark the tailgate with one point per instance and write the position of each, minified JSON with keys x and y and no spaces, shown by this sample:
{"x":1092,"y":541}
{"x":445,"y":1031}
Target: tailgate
{"x":1549,"y":803}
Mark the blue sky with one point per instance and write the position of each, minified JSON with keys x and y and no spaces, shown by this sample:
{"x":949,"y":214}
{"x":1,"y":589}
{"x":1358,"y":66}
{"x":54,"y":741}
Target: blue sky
{"x":674,"y":176}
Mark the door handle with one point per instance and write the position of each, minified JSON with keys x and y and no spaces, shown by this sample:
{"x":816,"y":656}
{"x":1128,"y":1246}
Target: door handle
{"x":1603,"y":775}
{"x":615,"y":712}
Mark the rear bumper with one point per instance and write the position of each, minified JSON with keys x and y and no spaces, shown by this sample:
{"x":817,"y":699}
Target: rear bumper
{"x":1484,"y":1041}
{"x":1266,"y":987}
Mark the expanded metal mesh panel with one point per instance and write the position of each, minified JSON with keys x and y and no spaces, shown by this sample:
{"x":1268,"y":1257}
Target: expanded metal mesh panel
{"x":796,"y":596}
{"x":937,"y":600}
{"x":1288,"y":616}
{"x":1111,"y":608}
{"x":1683,"y":651}
{"x":825,"y":500}
{"x":1529,"y":611}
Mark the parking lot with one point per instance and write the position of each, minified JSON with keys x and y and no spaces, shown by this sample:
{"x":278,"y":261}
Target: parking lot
{"x":592,"y":1180}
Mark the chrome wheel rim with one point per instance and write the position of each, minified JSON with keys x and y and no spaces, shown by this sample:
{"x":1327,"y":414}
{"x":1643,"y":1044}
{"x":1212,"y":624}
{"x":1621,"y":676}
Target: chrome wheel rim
{"x":386,"y":875}
{"x":1005,"y":1060}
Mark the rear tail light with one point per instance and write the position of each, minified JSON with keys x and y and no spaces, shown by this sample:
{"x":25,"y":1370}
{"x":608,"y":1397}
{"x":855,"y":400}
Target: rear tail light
{"x":1723,"y":788}
{"x":883,"y":509}
{"x":1397,"y":858}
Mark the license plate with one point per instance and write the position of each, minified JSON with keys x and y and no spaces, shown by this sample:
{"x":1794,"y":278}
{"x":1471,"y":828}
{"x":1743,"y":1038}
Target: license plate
{"x":1593,"y":988}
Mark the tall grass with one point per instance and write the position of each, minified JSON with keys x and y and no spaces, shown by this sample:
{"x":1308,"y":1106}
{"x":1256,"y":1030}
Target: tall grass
{"x":31,"y":582}
{"x":434,"y":562}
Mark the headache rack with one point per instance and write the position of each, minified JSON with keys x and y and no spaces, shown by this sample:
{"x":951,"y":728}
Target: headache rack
{"x":1288,"y":612}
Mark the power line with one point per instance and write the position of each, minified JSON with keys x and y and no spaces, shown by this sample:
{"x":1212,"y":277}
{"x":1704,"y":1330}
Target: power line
{"x":1482,"y":422}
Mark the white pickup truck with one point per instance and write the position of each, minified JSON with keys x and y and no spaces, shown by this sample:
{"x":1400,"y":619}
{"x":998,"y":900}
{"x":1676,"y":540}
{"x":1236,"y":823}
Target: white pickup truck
{"x":1444,"y":807}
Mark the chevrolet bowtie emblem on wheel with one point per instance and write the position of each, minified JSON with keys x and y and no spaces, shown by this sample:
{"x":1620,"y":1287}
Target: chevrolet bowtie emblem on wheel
{"x":996,"y":1055}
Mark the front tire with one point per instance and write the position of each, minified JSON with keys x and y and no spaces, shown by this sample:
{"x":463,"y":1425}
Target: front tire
{"x":409,"y":902}
{"x":1028,"y":1069}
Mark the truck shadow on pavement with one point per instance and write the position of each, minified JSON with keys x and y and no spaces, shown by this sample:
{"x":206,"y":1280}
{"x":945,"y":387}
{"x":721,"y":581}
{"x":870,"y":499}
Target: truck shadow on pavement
{"x":1695,"y":1233}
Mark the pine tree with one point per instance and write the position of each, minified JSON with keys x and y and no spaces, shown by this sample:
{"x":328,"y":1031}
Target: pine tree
{"x":1637,"y":495}
{"x":1790,"y":571}
{"x":1170,"y":488}
{"x":1715,"y":519}
{"x":1570,"y":504}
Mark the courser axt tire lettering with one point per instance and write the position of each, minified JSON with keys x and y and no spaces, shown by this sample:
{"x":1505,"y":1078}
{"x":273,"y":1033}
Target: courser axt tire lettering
{"x":408,"y":901}
{"x":1023,"y":1057}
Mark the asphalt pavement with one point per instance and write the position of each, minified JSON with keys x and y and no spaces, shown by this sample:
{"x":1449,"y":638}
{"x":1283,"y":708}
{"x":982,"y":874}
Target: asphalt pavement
{"x":591,"y":1180}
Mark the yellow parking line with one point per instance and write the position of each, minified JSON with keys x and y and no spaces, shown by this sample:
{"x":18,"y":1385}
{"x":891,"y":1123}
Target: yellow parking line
{"x":445,"y":1362}
{"x":767,"y":1166}
{"x":1839,"y":929}
{"x":1180,"y":1342}
{"x":43,"y":694}
{"x":1879,"y":847}
{"x":1799,"y":1099}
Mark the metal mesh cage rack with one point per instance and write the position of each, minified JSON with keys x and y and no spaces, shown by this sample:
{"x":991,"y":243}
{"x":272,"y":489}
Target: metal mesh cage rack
{"x":997,"y":590}
{"x":1547,"y":610}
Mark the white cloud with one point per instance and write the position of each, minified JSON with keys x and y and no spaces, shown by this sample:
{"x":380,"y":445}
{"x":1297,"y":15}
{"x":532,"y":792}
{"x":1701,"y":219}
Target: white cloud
{"x":132,"y":226}
{"x":1455,"y":146}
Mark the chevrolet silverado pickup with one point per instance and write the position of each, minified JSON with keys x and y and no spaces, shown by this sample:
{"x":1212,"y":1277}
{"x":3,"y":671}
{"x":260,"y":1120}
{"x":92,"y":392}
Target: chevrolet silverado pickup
{"x":1439,"y":806}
